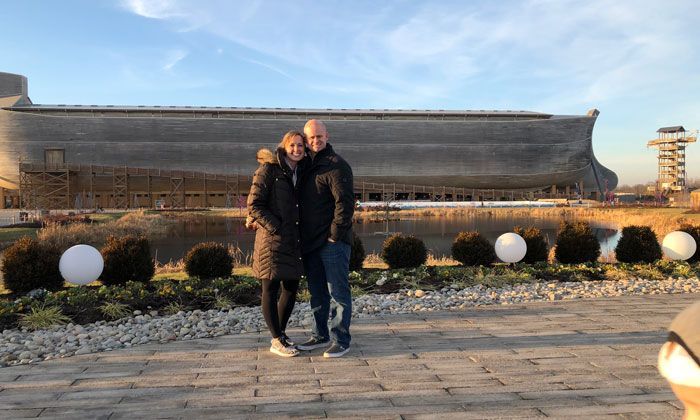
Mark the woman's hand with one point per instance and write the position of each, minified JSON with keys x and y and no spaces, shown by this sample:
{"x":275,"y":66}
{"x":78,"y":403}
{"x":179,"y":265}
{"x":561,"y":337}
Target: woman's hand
{"x":251,"y":224}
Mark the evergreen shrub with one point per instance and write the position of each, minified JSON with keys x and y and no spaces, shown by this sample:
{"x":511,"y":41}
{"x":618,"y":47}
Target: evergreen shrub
{"x":472,"y":249}
{"x":536,"y":244}
{"x":576,"y":243}
{"x":126,"y":258}
{"x":401,"y":251}
{"x":638,"y":244}
{"x":29,"y":264}
{"x":209,"y":260}
{"x":357,"y":253}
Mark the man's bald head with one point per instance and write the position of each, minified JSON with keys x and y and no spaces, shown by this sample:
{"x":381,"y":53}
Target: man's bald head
{"x":316,"y":135}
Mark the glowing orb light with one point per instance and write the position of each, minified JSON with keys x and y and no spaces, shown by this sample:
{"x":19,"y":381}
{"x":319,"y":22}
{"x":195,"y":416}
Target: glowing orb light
{"x":679,"y":245}
{"x":81,"y":264}
{"x":510,"y":247}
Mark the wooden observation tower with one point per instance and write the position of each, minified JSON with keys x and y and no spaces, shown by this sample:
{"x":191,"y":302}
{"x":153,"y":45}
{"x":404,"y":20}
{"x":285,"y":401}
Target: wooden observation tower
{"x":671,"y":144}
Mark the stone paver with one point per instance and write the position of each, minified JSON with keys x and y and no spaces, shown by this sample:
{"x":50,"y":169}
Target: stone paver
{"x":587,"y":359}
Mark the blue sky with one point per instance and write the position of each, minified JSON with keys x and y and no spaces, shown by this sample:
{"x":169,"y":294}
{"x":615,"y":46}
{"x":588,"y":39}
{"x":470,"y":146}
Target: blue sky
{"x":638,"y":62}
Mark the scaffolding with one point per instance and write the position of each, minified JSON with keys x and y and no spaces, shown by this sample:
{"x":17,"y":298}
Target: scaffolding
{"x":671,"y":144}
{"x":44,"y":187}
{"x":45,"y":190}
{"x":73,"y":186}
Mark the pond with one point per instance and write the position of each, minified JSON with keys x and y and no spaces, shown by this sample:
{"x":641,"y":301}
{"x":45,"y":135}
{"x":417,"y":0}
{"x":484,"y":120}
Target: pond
{"x":437,"y":232}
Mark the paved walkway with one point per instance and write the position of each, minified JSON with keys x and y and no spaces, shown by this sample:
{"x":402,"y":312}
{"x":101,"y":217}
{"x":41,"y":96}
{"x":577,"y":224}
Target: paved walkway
{"x":592,"y":358}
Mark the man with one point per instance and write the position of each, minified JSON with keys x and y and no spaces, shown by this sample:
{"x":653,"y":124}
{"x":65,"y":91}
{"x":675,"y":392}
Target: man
{"x":327,"y":206}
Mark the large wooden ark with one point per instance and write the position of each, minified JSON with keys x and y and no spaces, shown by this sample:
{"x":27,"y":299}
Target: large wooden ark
{"x":505,"y":150}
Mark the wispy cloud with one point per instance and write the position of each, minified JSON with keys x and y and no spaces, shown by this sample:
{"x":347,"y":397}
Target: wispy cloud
{"x":153,"y":9}
{"x":187,"y":17}
{"x":582,"y":52}
{"x":172,"y":58}
{"x":269,"y":67}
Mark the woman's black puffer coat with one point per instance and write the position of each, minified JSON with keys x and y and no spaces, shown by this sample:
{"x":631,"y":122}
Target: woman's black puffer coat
{"x":273,"y":204}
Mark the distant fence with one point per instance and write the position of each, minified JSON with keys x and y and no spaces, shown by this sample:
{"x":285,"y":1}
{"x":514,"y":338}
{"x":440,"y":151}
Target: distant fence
{"x":11,"y":217}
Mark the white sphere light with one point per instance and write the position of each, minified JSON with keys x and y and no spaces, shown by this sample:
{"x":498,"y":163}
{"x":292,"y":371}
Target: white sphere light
{"x":679,"y":245}
{"x":510,"y":247}
{"x":81,"y":264}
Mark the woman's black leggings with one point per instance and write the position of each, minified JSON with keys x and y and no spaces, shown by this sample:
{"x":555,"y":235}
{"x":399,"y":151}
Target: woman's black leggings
{"x":277,"y":311}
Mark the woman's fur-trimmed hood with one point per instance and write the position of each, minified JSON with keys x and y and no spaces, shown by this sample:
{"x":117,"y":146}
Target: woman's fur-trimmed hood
{"x":266,"y":155}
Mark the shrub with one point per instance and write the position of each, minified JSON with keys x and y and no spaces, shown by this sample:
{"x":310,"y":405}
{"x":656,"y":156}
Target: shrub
{"x":694,"y":231}
{"x":28,"y":264}
{"x":127,"y":258}
{"x":401,"y":251}
{"x":357,"y":253}
{"x":536,"y":244}
{"x":209,"y":260}
{"x":471,"y":248}
{"x":638,"y":244}
{"x":576,"y":243}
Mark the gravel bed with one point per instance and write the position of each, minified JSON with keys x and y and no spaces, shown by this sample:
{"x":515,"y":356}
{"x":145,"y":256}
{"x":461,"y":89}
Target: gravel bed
{"x":22,"y":346}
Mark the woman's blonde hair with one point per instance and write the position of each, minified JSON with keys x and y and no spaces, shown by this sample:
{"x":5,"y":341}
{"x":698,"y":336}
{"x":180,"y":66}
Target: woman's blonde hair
{"x":288,"y":137}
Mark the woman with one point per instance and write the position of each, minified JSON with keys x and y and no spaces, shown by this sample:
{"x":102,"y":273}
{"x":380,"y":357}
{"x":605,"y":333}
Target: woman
{"x":273,"y":205}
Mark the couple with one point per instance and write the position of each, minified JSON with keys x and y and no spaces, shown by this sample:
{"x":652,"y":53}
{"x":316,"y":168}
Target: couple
{"x":301,"y":202}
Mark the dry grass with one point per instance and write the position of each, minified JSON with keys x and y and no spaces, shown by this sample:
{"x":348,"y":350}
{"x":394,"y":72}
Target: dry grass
{"x":375,"y":261}
{"x":197,"y":214}
{"x":240,"y":258}
{"x":608,"y":257}
{"x":232,"y":213}
{"x":170,"y":267}
{"x":175,"y":275}
{"x":661,"y":220}
{"x":135,"y":223}
{"x":182,"y":275}
{"x":441,"y":261}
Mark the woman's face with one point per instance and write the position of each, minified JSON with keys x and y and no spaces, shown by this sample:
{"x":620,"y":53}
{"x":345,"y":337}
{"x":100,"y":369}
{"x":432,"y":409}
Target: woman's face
{"x":295,"y":149}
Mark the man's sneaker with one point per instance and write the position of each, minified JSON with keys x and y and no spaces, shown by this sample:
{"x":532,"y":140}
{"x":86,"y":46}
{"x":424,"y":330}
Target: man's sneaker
{"x":282,"y":348}
{"x":313,"y":343}
{"x":286,"y":338}
{"x":336,"y":350}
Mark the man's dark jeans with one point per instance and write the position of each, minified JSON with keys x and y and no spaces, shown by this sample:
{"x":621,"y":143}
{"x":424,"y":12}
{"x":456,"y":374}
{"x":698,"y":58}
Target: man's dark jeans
{"x":327,"y":275}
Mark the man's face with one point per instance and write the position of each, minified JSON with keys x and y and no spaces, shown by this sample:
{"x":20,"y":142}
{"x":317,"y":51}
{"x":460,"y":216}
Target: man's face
{"x":316,"y":136}
{"x":689,"y":396}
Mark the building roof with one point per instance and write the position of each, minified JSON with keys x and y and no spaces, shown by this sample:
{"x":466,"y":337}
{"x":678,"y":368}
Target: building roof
{"x":673,"y":129}
{"x":277,"y":112}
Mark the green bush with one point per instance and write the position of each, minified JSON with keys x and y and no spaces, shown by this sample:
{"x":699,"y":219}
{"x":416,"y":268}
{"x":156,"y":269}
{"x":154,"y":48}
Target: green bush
{"x":357,"y":253}
{"x":471,"y":248}
{"x":536,"y":244}
{"x":576,"y":243}
{"x":209,"y":260}
{"x":694,"y":231}
{"x":127,"y":258}
{"x":401,"y":251}
{"x":28,"y":264}
{"x":638,"y":244}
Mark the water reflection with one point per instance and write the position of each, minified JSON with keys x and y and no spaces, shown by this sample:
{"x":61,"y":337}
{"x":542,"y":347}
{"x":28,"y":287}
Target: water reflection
{"x":436,"y":232}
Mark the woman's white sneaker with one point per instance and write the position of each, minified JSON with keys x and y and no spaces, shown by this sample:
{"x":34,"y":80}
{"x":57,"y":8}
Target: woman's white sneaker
{"x":282,"y":348}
